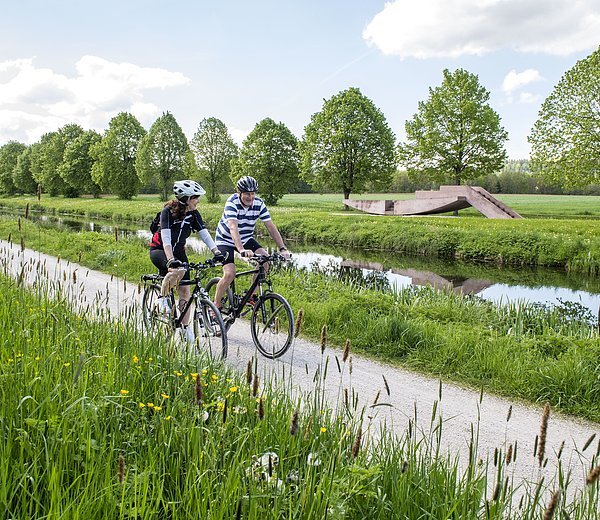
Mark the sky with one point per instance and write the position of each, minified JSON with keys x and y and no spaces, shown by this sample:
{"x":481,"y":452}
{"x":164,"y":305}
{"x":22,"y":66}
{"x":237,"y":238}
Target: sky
{"x":76,"y":61}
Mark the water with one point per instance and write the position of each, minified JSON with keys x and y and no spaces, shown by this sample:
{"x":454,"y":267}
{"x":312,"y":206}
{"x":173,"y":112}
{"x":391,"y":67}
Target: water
{"x":392,"y":271}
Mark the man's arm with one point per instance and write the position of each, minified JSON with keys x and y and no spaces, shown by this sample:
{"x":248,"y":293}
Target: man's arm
{"x":235,"y":236}
{"x":276,"y":235}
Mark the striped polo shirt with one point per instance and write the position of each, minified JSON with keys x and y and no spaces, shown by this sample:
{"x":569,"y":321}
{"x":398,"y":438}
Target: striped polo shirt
{"x":246,"y":219}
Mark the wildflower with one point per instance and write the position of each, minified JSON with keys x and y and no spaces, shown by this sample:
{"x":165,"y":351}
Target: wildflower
{"x":157,"y":408}
{"x":124,"y":392}
{"x":141,"y":405}
{"x":150,"y":405}
{"x":168,"y":418}
{"x":178,"y":373}
{"x":220,"y":406}
{"x":313,"y":459}
{"x":194,"y":375}
{"x":205,"y":416}
{"x":214,"y":378}
{"x":322,"y":429}
{"x":37,"y":358}
{"x":164,"y":396}
{"x":204,"y":372}
{"x":136,"y":359}
{"x":64,"y":364}
{"x":239,"y":410}
{"x":233,"y":389}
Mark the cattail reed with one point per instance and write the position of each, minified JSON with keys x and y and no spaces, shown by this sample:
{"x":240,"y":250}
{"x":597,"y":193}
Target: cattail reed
{"x":298,"y":324}
{"x":356,"y":444}
{"x":22,"y":244}
{"x":323,"y":338}
{"x":593,"y":476}
{"x":385,"y":383}
{"x":543,"y":433}
{"x":515,"y":451}
{"x":116,"y":234}
{"x":495,"y":457}
{"x":535,"y":446}
{"x":19,"y":223}
{"x":294,"y":423}
{"x":121,"y":469}
{"x":225,"y":404}
{"x":249,"y":372}
{"x":75,"y":277}
{"x":550,"y":510}
{"x":261,"y":409}
{"x":27,"y":211}
{"x":560,"y":450}
{"x":496,"y":494}
{"x":199,"y":392}
{"x":588,"y":442}
{"x":255,"y":386}
{"x":350,"y":364}
{"x":509,"y":454}
{"x":376,"y":397}
{"x":509,"y":414}
{"x":346,"y":350}
{"x":346,"y":400}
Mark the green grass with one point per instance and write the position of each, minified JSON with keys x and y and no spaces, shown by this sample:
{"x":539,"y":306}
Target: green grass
{"x":571,"y":244}
{"x":517,"y":351}
{"x":101,"y":421}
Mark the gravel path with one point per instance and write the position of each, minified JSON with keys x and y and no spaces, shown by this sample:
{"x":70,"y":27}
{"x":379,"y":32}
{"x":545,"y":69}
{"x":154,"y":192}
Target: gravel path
{"x":460,"y":408}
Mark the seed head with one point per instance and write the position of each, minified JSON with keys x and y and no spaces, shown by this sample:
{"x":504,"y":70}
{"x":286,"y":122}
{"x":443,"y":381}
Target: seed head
{"x":298,"y":324}
{"x":323,"y":338}
{"x":249,"y":372}
{"x":346,"y":350}
{"x":294,"y":423}
{"x":356,"y":444}
{"x":543,"y":433}
{"x":509,"y":454}
{"x":261,"y":409}
{"x":593,"y":476}
{"x":199,"y":392}
{"x":121,"y":469}
{"x":549,"y":513}
{"x":255,"y":386}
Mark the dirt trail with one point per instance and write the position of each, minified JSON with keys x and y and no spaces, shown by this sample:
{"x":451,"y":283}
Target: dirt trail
{"x":460,"y":408}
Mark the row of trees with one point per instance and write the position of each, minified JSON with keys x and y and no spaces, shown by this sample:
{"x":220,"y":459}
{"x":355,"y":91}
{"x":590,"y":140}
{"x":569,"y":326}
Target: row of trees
{"x":347,"y":147}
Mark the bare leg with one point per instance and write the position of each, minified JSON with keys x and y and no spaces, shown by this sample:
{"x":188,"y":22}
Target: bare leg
{"x":228,"y":276}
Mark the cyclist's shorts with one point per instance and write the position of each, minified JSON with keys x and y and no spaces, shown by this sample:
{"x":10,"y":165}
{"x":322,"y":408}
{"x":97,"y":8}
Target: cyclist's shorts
{"x":251,"y":244}
{"x":159,"y":259}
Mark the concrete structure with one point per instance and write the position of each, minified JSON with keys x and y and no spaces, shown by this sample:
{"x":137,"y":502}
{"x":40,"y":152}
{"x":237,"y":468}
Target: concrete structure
{"x":446,"y":199}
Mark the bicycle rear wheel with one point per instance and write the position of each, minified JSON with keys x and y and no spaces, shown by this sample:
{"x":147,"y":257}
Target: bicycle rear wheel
{"x":155,"y":319}
{"x":226,"y":301}
{"x":272,"y":325}
{"x":209,"y":329}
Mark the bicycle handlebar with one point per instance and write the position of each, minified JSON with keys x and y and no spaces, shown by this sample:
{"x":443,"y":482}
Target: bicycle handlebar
{"x":263,"y":259}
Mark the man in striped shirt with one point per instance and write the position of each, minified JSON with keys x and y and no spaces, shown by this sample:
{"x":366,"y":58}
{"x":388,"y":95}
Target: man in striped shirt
{"x":235,"y":231}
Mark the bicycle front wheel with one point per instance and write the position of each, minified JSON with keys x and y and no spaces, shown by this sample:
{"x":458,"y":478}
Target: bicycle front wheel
{"x":155,"y":319}
{"x":226,"y":301}
{"x":272,"y":325}
{"x":209,"y":329}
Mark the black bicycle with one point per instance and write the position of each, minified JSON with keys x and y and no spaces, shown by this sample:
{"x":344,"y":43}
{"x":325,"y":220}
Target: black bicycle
{"x":208,"y":326}
{"x":272,"y":319}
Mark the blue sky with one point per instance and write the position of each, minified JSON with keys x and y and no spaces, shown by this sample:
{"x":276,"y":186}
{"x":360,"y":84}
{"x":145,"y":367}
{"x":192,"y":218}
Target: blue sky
{"x":65,"y":61}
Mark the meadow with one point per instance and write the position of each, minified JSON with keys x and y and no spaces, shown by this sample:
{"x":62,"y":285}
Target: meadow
{"x":99,"y":420}
{"x":519,"y":351}
{"x":561,"y":233}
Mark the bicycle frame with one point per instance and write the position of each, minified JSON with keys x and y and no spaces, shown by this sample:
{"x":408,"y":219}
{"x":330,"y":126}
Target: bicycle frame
{"x":238,"y":305}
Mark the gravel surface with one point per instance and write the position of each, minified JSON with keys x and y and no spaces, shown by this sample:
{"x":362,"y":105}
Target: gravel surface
{"x":460,"y":408}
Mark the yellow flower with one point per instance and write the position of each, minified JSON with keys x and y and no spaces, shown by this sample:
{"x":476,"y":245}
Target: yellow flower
{"x":323,"y":429}
{"x":220,"y":406}
{"x":233,"y":389}
{"x":204,"y":372}
{"x":66,"y":364}
{"x":178,"y":373}
{"x":214,"y":378}
{"x":194,"y":375}
{"x":124,"y":392}
{"x":142,"y":405}
{"x":157,"y":408}
{"x":168,"y":418}
{"x":150,"y":405}
{"x":37,"y":358}
{"x":136,"y":359}
{"x":164,"y":396}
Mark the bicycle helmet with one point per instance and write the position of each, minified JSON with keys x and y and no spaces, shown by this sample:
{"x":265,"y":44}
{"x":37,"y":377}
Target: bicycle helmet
{"x":183,"y":190}
{"x":248,"y":184}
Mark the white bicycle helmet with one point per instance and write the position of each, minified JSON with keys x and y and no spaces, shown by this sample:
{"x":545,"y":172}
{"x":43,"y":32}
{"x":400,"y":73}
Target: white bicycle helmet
{"x":183,"y":190}
{"x":248,"y":184}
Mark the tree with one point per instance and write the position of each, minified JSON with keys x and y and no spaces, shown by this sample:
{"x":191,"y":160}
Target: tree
{"x":214,"y":149}
{"x":22,"y":173}
{"x":76,"y":167}
{"x":455,"y":133}
{"x":347,"y":145}
{"x":9,"y":154}
{"x":114,"y":168}
{"x":164,"y":155}
{"x":269,"y":154}
{"x":565,"y":140}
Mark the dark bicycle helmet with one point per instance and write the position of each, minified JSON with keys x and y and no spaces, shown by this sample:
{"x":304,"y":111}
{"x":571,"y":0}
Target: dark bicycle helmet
{"x":183,"y":190}
{"x":247,"y":183}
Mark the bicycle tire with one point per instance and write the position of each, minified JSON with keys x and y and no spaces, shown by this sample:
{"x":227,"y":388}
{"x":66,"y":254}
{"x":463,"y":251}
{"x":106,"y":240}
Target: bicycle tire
{"x":152,"y":318}
{"x":226,"y":301}
{"x":272,"y":325}
{"x":209,"y":329}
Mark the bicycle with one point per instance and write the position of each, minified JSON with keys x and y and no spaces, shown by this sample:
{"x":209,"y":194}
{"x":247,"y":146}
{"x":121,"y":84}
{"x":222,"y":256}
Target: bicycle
{"x":272,"y":319}
{"x":209,"y":329}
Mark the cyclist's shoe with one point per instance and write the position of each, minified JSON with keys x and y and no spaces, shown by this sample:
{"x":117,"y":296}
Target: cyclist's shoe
{"x":214,"y":324}
{"x":163,"y":305}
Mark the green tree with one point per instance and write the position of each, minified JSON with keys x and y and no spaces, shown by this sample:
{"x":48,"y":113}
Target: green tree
{"x":270,"y":155}
{"x":565,"y":140}
{"x":455,"y":134}
{"x":9,"y":154}
{"x":164,"y":155}
{"x":76,"y":167}
{"x":214,"y":149}
{"x":22,"y":173}
{"x":348,"y":145}
{"x":114,"y":166}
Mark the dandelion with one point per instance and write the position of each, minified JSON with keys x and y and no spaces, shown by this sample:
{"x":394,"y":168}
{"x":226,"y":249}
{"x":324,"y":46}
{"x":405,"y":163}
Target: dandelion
{"x":356,"y":444}
{"x":322,"y":429}
{"x":204,"y":372}
{"x":294,"y":423}
{"x":123,"y":392}
{"x":233,"y":389}
{"x":543,"y":433}
{"x":298,"y":324}
{"x":549,"y":513}
{"x":136,"y":359}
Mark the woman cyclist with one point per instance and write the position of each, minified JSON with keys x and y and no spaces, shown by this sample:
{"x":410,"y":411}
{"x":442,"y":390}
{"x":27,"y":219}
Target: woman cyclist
{"x":178,"y":219}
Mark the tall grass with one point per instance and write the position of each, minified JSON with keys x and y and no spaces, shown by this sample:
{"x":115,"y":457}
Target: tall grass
{"x":97,"y":420}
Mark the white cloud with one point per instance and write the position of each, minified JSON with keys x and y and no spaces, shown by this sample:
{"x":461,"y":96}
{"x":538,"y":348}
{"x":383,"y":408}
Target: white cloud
{"x":451,"y":28}
{"x":515,"y":80}
{"x":528,"y":97}
{"x":37,"y":100}
{"x":238,"y":135}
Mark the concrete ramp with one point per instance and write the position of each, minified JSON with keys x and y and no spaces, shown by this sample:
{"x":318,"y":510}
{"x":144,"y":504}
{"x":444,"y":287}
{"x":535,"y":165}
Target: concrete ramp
{"x":444,"y":200}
